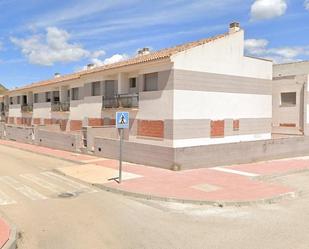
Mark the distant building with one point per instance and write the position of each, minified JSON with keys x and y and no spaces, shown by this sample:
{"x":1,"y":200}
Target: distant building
{"x":290,"y":98}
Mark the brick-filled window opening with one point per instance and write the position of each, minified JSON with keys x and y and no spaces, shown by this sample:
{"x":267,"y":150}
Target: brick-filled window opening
{"x":288,"y":99}
{"x":217,"y":128}
{"x":235,"y":125}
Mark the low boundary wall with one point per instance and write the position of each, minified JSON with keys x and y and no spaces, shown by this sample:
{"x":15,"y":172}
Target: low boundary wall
{"x":135,"y":152}
{"x":204,"y":156}
{"x":19,"y":134}
{"x":58,"y":140}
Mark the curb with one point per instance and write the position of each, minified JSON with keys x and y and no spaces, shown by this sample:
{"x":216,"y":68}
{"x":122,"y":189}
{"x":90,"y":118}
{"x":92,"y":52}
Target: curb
{"x":276,"y":175}
{"x":218,"y":203}
{"x":12,"y":241}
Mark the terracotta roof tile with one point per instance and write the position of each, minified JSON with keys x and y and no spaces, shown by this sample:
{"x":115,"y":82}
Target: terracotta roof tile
{"x":153,"y":56}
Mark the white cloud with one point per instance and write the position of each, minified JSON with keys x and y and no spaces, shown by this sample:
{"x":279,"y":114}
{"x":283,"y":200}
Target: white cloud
{"x":268,"y":9}
{"x":259,"y":47}
{"x":113,"y":59}
{"x":50,"y":48}
{"x":98,"y":61}
{"x":77,"y":11}
{"x":307,"y":4}
{"x":256,"y":46}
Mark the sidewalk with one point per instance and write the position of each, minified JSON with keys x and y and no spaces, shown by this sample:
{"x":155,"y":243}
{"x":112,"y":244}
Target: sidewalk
{"x":229,"y":185}
{"x":4,"y":233}
{"x":8,"y":234}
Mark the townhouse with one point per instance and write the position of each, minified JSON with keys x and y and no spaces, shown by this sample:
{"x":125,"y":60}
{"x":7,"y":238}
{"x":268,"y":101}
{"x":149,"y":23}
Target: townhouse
{"x":188,"y":97}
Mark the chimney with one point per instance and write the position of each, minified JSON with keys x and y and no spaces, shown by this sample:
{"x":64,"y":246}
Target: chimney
{"x":90,"y":66}
{"x":57,"y":75}
{"x":234,"y":27}
{"x":143,"y":51}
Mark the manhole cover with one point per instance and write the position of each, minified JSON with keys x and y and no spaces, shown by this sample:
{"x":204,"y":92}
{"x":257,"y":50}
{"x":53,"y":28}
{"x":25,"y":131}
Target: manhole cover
{"x":67,"y":195}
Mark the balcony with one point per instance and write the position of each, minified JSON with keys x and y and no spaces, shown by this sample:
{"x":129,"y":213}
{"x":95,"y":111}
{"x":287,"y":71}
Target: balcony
{"x":60,"y":107}
{"x":27,"y":108}
{"x":121,"y":101}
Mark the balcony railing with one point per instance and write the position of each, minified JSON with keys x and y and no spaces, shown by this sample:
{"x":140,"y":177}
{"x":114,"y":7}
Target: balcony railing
{"x":60,"y":107}
{"x":27,"y":108}
{"x":121,"y":101}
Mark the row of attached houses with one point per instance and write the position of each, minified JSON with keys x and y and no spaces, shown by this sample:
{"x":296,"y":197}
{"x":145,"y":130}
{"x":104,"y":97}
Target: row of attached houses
{"x":183,"y":102}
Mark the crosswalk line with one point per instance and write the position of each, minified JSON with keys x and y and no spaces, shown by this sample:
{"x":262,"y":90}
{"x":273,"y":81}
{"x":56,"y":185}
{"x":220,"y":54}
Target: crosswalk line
{"x":43,"y":183}
{"x":23,"y":189}
{"x":5,"y":199}
{"x":77,"y":186}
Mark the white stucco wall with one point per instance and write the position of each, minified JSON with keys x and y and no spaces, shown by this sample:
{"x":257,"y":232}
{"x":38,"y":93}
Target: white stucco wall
{"x":220,"y":105}
{"x":179,"y":143}
{"x":42,"y":110}
{"x":223,"y":56}
{"x":296,"y":68}
{"x":157,"y":105}
{"x":15,"y":111}
{"x":90,"y":107}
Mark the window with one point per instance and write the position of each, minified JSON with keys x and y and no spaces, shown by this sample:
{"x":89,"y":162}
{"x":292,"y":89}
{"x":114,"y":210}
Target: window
{"x":151,"y":82}
{"x":132,"y":82}
{"x":25,"y":99}
{"x":36,"y":98}
{"x":11,"y":100}
{"x":75,"y":93}
{"x":48,"y":96}
{"x":288,"y":99}
{"x":18,"y":100}
{"x":56,"y":97}
{"x":96,"y":88}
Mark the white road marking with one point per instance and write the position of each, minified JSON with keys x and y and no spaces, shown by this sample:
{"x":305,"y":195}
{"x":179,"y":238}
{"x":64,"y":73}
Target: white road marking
{"x":44,"y":184}
{"x":69,"y":182}
{"x":237,"y":172}
{"x":94,"y":160}
{"x":5,"y":199}
{"x":23,"y":189}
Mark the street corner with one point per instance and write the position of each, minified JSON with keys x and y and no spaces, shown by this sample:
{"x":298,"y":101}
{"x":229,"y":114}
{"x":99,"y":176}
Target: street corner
{"x":95,"y":174}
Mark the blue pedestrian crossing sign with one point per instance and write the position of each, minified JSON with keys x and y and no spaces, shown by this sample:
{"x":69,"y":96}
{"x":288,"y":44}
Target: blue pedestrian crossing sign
{"x":122,"y":120}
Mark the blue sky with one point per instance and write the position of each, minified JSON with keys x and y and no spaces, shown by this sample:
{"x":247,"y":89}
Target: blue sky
{"x":39,"y":38}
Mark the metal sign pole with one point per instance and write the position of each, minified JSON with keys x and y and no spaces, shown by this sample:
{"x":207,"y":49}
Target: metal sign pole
{"x":120,"y":155}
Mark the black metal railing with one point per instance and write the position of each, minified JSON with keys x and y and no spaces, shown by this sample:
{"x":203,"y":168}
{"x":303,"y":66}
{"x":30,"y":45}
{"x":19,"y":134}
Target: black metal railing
{"x":121,"y":101}
{"x":27,"y":108}
{"x":60,"y":107}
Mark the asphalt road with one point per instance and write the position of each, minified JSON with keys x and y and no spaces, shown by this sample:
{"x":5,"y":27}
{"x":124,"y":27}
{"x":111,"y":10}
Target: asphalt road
{"x":29,"y":196}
